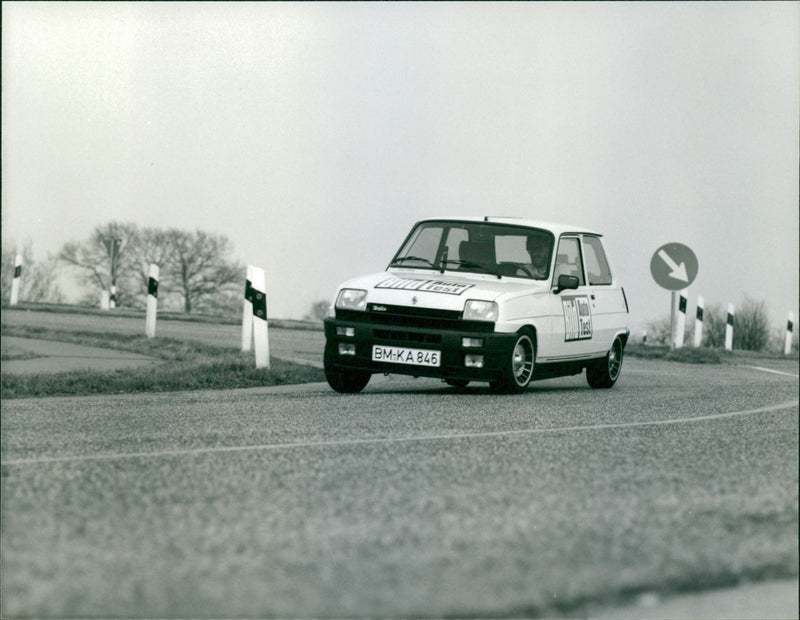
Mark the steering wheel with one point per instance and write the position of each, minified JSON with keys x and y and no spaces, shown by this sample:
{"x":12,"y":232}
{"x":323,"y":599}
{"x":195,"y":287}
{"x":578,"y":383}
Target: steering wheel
{"x":523,"y":268}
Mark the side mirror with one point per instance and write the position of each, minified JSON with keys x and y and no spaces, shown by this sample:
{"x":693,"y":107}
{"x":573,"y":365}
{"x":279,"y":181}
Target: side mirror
{"x":566,"y":282}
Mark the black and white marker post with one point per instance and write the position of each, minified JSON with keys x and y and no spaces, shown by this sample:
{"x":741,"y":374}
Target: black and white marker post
{"x":787,"y":346}
{"x":260,"y":329}
{"x":729,"y":329}
{"x":698,"y":322}
{"x":15,"y":282}
{"x":680,"y":318}
{"x":152,"y":302}
{"x":113,"y":246}
{"x":247,"y":311}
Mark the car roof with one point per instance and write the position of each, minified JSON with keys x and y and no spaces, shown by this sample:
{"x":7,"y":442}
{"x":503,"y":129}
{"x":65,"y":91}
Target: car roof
{"x":556,"y":228}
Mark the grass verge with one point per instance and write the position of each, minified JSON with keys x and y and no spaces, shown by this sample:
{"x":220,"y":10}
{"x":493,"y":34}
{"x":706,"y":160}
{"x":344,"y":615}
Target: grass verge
{"x":688,"y":355}
{"x":189,"y":366}
{"x":163,"y":315}
{"x":10,"y":353}
{"x":167,"y":349}
{"x":703,"y":355}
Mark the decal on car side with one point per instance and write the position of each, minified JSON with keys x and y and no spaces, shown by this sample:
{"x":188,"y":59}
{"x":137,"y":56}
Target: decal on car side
{"x":577,"y":318}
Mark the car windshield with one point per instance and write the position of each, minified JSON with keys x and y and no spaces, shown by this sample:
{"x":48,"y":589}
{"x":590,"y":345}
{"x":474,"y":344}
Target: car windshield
{"x":478,"y":247}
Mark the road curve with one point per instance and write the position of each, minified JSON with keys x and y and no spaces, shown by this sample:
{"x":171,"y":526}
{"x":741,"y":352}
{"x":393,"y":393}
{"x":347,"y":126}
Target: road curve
{"x":410,"y":499}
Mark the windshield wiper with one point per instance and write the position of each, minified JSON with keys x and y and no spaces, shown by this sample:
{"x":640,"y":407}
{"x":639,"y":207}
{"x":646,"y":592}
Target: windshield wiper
{"x":472,"y":265}
{"x":403,"y":259}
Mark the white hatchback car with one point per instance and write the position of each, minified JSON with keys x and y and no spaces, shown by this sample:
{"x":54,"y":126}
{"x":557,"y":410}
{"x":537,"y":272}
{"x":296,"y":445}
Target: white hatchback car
{"x":502,"y":300}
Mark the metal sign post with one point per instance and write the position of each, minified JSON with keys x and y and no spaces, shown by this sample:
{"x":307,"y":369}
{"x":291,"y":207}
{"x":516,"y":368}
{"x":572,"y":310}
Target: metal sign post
{"x":674,"y":267}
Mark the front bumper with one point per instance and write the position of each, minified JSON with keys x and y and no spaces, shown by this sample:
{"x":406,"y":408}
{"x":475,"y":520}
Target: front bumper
{"x":495,"y":351}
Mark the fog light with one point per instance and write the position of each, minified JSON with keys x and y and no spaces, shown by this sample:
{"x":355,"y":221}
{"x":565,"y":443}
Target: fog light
{"x":473,"y":361}
{"x":348,"y":332}
{"x":473,"y":343}
{"x":347,"y":348}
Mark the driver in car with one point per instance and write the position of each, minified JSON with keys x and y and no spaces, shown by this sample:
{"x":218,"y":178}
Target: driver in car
{"x":539,"y":251}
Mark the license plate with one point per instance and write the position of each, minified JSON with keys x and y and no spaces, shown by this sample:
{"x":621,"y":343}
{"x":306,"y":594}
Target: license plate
{"x":402,"y":355}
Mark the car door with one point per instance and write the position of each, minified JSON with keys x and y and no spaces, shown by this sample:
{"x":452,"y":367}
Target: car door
{"x":573,"y":321}
{"x":607,"y":302}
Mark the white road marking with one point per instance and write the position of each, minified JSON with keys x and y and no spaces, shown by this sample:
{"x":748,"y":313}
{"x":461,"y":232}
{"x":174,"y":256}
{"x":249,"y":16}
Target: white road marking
{"x":389,"y":440}
{"x":777,"y":372}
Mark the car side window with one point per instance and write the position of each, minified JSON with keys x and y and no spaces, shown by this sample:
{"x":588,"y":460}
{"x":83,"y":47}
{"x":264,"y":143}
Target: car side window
{"x":568,"y":259}
{"x":597,"y":270}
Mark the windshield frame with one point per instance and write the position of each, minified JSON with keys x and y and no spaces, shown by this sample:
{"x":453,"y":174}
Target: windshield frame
{"x":441,"y":262}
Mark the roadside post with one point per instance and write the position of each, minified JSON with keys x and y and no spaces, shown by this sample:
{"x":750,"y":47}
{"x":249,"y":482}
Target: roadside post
{"x":113,"y":247}
{"x":104,"y":302}
{"x":680,"y":323}
{"x":260,"y":328}
{"x":152,"y":301}
{"x":247,"y":311}
{"x":15,"y":282}
{"x":729,"y":329}
{"x":787,"y":347}
{"x":674,"y":267}
{"x":698,"y":322}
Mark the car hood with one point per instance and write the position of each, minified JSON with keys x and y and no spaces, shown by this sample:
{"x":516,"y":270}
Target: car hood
{"x":446,"y":291}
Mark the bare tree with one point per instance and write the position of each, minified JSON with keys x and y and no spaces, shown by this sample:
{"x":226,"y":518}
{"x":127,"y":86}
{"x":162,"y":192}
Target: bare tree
{"x":195,"y":266}
{"x":318,"y":310}
{"x":148,"y":246}
{"x":659,"y":332}
{"x":201,"y":270}
{"x":751,"y":326}
{"x":715,"y":318}
{"x":104,"y":260}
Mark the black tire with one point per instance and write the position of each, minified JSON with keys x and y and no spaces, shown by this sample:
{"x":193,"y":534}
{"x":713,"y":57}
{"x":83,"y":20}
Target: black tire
{"x":517,"y":370}
{"x":604,"y":373}
{"x":458,"y":383}
{"x":346,"y":380}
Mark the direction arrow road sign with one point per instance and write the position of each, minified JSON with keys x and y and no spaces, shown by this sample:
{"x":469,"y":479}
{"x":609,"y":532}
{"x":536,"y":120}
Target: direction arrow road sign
{"x":674,"y":266}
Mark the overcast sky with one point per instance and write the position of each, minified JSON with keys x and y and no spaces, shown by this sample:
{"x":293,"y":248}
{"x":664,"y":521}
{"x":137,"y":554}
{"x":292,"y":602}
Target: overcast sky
{"x":315,"y":135}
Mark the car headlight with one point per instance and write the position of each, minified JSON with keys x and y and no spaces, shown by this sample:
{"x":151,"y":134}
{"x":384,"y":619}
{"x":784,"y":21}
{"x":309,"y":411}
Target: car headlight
{"x":479,"y":310}
{"x":352,"y":299}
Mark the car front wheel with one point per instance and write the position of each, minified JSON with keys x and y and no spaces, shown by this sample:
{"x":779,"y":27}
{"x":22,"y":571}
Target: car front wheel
{"x":346,"y":380}
{"x":518,"y":369}
{"x":604,"y":373}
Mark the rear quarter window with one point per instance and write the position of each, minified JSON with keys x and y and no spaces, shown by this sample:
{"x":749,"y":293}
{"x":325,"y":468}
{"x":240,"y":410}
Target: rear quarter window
{"x":597,"y":270}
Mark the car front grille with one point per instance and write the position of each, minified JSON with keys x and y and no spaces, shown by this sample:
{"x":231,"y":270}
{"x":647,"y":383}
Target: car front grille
{"x":413,"y":317}
{"x":394,"y":335}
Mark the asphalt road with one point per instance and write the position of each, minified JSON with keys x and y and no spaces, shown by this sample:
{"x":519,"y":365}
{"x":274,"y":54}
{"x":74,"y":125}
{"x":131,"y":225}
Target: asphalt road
{"x":410,"y":499}
{"x":63,"y":357}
